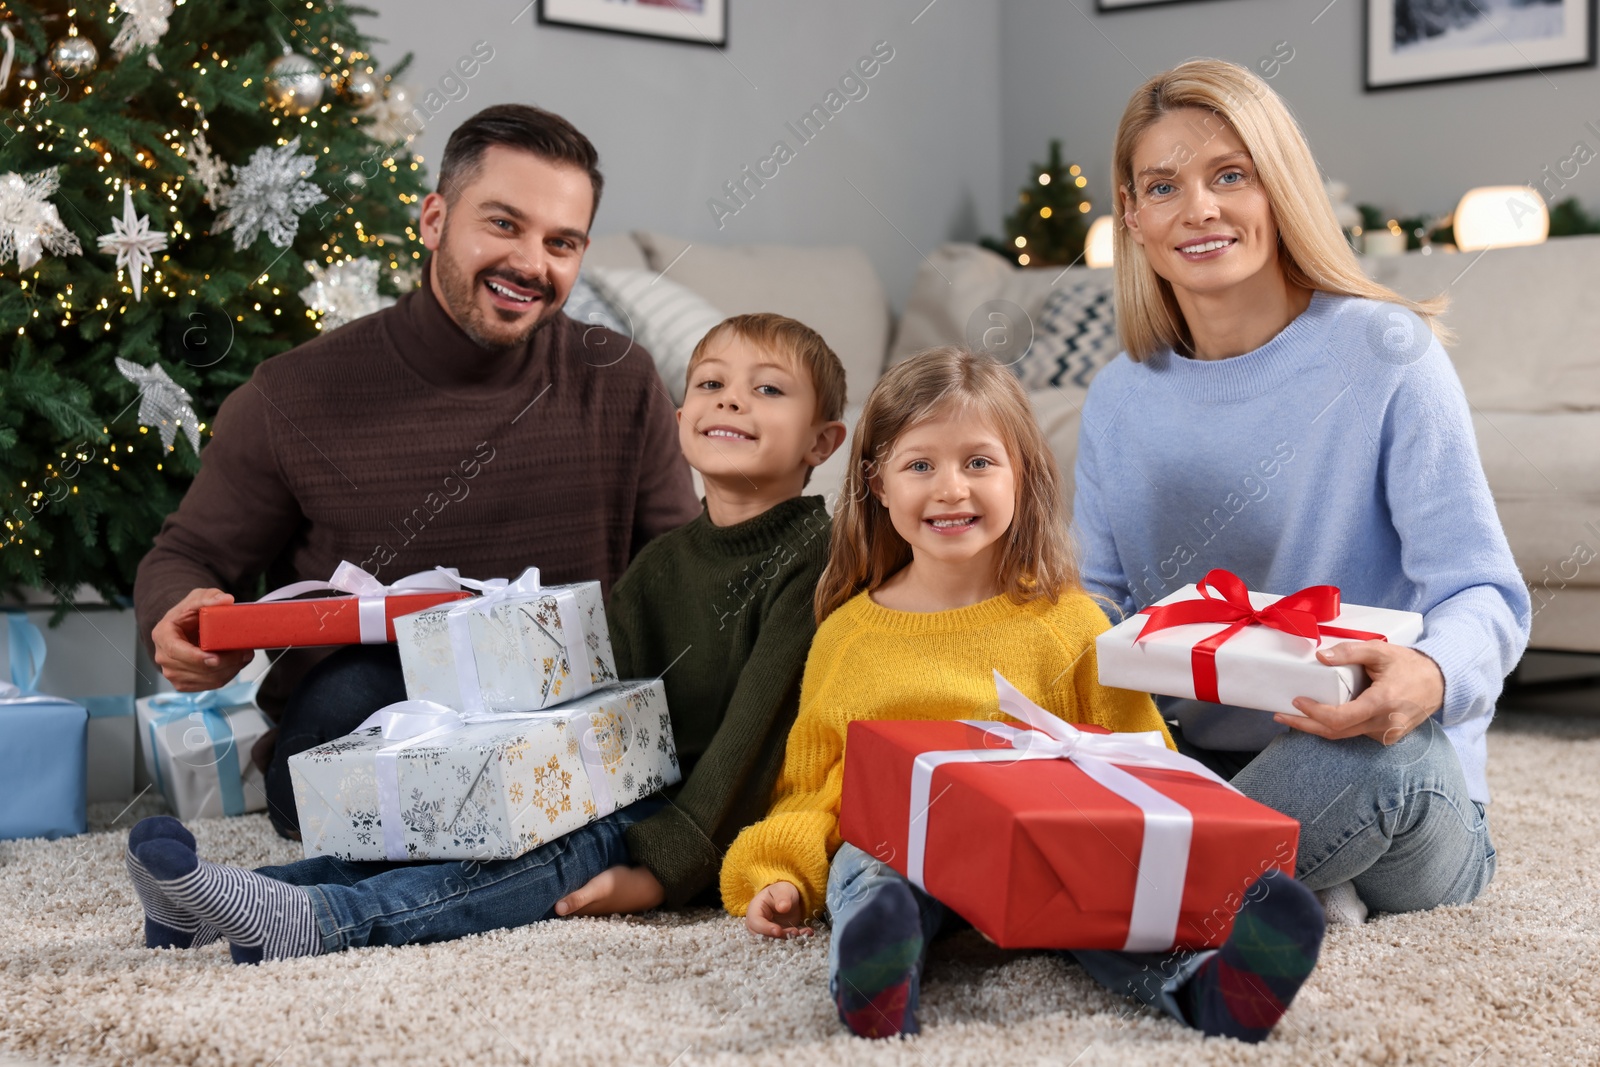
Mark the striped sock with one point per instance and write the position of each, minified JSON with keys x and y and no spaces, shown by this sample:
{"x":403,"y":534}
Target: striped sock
{"x":260,"y":917}
{"x":166,"y":923}
{"x":880,"y":955}
{"x":1246,"y":987}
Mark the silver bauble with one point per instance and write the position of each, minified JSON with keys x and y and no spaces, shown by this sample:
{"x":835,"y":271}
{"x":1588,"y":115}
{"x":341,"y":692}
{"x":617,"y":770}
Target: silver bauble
{"x":73,"y":57}
{"x":294,"y":83}
{"x":362,"y":89}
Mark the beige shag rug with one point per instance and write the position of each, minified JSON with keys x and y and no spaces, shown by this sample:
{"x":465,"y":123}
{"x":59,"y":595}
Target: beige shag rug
{"x":1511,"y":979}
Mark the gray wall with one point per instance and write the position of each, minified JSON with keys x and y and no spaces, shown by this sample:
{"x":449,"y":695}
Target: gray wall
{"x":673,"y":122}
{"x":976,"y":88}
{"x":1068,"y":72}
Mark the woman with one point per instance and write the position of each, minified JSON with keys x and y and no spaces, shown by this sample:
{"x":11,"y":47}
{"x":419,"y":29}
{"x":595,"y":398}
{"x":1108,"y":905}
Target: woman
{"x":1278,"y":414}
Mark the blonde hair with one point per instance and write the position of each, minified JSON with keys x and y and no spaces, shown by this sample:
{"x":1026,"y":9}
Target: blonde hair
{"x":866,"y":550}
{"x":1313,"y":250}
{"x":794,"y":340}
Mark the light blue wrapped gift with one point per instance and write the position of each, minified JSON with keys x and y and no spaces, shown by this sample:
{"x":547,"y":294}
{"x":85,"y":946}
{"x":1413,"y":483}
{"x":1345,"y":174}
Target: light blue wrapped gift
{"x":92,"y":666}
{"x":43,"y":763}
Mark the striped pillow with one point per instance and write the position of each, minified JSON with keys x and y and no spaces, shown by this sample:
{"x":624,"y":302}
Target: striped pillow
{"x":663,"y":316}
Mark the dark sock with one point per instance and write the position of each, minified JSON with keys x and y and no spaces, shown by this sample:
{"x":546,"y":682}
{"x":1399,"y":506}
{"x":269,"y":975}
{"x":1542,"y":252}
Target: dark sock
{"x":167,"y":924}
{"x":880,"y":954}
{"x":1246,"y":987}
{"x":261,"y":918}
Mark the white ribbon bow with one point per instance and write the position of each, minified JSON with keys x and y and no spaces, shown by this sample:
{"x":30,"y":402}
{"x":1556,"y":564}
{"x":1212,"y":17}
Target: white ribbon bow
{"x":370,"y":593}
{"x":414,"y":722}
{"x":1168,"y":825}
{"x":497,"y":591}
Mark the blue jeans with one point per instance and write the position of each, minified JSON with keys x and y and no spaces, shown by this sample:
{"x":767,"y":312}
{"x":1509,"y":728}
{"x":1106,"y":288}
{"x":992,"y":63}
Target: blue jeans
{"x":375,"y":903}
{"x":1394,"y":819}
{"x":852,"y":879}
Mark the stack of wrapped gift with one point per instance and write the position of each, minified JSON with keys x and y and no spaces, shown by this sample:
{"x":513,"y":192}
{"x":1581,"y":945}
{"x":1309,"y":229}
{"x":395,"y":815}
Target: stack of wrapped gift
{"x":197,"y":750}
{"x":362,"y":614}
{"x":1058,"y":836}
{"x":1220,"y":642}
{"x":517,"y":732}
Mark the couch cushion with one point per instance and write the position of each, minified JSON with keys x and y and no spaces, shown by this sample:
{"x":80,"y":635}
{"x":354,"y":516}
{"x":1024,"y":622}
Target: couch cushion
{"x":835,"y":291}
{"x":1526,"y":319}
{"x":963,"y":291}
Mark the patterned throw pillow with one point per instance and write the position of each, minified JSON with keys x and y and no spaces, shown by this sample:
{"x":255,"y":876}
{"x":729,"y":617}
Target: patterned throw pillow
{"x":1074,"y":336}
{"x":586,"y":305}
{"x":659,"y":314}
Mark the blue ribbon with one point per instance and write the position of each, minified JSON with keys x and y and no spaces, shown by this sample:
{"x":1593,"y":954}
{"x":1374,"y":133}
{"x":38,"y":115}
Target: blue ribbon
{"x":27,"y":651}
{"x":208,"y":707}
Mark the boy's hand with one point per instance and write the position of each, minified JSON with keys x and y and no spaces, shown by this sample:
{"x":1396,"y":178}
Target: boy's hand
{"x":614,"y":891}
{"x":775,"y":912}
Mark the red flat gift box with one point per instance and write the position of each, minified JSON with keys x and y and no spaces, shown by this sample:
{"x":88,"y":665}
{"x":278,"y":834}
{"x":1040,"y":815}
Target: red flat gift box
{"x":1035,"y":853}
{"x":302,"y":623}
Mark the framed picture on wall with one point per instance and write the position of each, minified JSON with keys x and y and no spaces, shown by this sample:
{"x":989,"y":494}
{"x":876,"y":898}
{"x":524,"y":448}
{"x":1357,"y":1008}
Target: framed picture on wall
{"x":1415,"y":42}
{"x":689,"y":21}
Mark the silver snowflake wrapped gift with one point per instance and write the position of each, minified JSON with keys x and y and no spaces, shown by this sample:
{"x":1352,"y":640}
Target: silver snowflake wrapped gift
{"x":134,"y":242}
{"x":343,"y":292}
{"x":29,"y":222}
{"x":164,"y":405}
{"x":269,"y":193}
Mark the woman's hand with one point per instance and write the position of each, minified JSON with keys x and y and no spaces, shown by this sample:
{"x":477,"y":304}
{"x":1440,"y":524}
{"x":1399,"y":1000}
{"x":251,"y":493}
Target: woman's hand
{"x":1407,"y":687}
{"x":614,"y":891}
{"x":775,"y":912}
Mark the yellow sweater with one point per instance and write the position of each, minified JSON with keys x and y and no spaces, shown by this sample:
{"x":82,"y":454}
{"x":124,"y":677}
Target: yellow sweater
{"x":869,"y":662}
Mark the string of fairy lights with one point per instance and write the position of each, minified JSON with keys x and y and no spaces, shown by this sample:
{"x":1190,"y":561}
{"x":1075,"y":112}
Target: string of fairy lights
{"x":152,"y":178}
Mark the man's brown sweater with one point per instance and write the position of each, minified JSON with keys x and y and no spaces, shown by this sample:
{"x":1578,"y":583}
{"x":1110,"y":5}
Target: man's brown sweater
{"x":397,"y":443}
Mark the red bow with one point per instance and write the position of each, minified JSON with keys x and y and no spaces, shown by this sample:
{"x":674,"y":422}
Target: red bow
{"x":1301,"y":613}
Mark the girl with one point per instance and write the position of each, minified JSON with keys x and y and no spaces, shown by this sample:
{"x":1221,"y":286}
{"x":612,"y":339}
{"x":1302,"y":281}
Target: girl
{"x":948,"y":560}
{"x":1278,"y":414}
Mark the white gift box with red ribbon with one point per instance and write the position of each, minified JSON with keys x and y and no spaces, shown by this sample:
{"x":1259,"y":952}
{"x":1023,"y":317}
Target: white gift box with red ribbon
{"x":1217,"y":641}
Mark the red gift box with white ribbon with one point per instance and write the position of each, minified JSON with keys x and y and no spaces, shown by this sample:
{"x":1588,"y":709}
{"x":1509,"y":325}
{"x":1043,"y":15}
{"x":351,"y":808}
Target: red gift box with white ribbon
{"x":363,"y":616}
{"x":1059,"y":836}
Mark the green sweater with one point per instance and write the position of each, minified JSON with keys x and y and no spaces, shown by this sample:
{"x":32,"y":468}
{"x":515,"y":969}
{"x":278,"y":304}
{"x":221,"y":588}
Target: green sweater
{"x":722,"y":614}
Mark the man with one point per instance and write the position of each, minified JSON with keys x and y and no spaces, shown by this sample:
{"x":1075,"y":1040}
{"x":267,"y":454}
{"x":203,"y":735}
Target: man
{"x":471,"y":425}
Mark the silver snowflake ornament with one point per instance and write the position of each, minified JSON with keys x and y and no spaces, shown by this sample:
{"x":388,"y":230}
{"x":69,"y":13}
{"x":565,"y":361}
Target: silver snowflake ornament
{"x":210,"y":171}
{"x":134,"y":242}
{"x":29,"y":222}
{"x":343,"y":292}
{"x":269,"y":193}
{"x":144,"y":23}
{"x":164,"y":405}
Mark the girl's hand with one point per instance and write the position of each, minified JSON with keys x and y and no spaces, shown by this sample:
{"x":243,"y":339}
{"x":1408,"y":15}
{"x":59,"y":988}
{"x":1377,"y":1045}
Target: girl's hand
{"x":614,"y":891}
{"x":1407,"y":687}
{"x":775,"y":912}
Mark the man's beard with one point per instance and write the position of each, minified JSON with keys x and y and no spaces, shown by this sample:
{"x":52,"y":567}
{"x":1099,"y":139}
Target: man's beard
{"x":461,"y":296}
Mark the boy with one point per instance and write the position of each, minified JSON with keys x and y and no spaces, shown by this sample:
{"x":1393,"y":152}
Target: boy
{"x":719,"y":609}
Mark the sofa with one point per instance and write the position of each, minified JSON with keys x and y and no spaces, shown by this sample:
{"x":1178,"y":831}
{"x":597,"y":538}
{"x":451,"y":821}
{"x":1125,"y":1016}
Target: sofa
{"x":1527,"y":352}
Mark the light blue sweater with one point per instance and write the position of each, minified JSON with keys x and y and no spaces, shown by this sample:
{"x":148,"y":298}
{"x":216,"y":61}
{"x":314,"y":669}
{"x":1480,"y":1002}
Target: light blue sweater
{"x":1340,"y":452}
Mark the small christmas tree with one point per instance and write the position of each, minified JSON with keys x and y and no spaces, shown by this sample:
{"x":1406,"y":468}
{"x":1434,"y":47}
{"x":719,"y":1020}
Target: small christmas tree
{"x":1051,"y":222}
{"x":185,"y":190}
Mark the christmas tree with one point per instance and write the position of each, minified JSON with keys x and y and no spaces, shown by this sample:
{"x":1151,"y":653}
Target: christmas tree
{"x":1050,"y":224}
{"x":185,"y":190}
